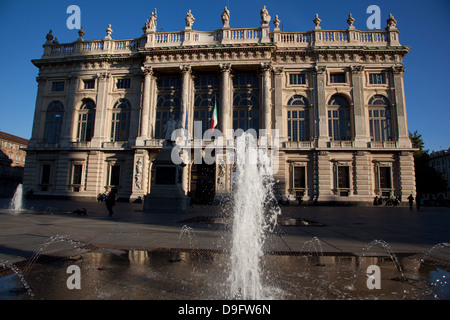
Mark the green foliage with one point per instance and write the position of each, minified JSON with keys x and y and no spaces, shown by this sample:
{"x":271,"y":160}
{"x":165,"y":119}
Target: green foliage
{"x":428,"y":180}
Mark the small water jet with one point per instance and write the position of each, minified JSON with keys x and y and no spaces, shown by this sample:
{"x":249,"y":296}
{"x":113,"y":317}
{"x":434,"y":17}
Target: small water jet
{"x":389,"y":251}
{"x":17,"y":200}
{"x":19,"y":275}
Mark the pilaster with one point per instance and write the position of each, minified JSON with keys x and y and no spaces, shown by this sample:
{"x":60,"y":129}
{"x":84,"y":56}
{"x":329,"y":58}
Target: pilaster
{"x":101,"y":113}
{"x":38,"y":121}
{"x":278,"y":103}
{"x":361,"y":137}
{"x":69,"y":110}
{"x":402,"y":127}
{"x":321,"y":107}
{"x":363,"y":174}
{"x":406,"y":174}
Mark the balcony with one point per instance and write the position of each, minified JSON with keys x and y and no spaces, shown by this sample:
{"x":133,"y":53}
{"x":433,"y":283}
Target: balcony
{"x":225,"y":36}
{"x":382,"y":144}
{"x":115,"y":145}
{"x":298,"y":144}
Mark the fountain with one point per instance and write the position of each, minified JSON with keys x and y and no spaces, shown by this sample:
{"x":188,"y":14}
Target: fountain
{"x":245,"y":272}
{"x":251,"y":217}
{"x":17,"y":200}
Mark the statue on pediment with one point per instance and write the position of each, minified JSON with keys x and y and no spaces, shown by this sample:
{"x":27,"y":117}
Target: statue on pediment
{"x":226,"y":18}
{"x":152,"y":21}
{"x":189,"y":19}
{"x":265,"y":17}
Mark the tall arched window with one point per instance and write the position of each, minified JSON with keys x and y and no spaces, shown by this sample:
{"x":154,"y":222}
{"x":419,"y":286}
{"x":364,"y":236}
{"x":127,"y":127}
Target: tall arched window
{"x":298,"y":119}
{"x":86,"y":118}
{"x":246,"y":102}
{"x":206,"y":88}
{"x":168,"y":103}
{"x":53,"y":121}
{"x":120,"y":126}
{"x":380,"y":119}
{"x":339,"y":124}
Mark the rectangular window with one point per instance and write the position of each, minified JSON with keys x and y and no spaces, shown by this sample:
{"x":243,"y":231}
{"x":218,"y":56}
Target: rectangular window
{"x":45,"y":176}
{"x":297,"y":78}
{"x":57,"y":86}
{"x":337,"y":77}
{"x":76,"y":177}
{"x":89,"y":84}
{"x":124,"y":83}
{"x":77,"y":171}
{"x":385,"y":178}
{"x":343,"y":177}
{"x":299,"y":177}
{"x":377,"y":78}
{"x":114,"y":178}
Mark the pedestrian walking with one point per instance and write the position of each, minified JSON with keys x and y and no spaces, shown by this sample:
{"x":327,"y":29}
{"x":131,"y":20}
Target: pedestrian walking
{"x":111,"y":201}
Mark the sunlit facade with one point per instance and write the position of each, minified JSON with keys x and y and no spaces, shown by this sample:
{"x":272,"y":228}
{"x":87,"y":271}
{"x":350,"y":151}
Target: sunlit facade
{"x":334,"y":98}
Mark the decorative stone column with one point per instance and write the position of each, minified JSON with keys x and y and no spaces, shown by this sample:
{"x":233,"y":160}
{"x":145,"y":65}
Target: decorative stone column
{"x":145,"y":111}
{"x":225,"y":108}
{"x":185,"y":106}
{"x":267,"y":96}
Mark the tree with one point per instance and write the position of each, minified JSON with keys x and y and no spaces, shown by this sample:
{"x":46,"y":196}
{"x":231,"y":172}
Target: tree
{"x":428,"y":180}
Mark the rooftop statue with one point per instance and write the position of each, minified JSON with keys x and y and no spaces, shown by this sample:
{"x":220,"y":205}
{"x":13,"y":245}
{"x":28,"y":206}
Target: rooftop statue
{"x":226,"y":18}
{"x":189,"y":19}
{"x":265,"y":17}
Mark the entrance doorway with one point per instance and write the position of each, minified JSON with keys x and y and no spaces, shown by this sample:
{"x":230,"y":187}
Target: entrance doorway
{"x":203,"y":183}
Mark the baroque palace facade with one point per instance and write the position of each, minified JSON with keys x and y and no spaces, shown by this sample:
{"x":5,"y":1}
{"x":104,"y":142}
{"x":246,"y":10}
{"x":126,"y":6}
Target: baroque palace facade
{"x":334,"y":98}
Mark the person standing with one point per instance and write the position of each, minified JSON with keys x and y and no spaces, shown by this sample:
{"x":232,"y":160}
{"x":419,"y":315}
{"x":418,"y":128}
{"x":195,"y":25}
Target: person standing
{"x":418,"y":199}
{"x":410,"y":200}
{"x":111,"y":201}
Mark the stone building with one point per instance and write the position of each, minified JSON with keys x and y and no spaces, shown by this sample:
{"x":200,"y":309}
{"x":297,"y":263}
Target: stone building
{"x":334,"y":99}
{"x":12,"y":162}
{"x":440,"y":160}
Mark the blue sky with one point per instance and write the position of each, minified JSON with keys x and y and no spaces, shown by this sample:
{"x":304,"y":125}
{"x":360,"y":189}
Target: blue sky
{"x":423,"y":25}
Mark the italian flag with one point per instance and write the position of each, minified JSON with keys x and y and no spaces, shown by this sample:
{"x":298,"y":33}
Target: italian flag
{"x":214,"y":117}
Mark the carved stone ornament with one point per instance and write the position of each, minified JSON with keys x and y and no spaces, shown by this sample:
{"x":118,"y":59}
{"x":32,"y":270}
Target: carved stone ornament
{"x":147,"y":71}
{"x":151,"y":24}
{"x":317,"y":20}
{"x":226,"y":18}
{"x":391,"y":22}
{"x":357,"y":69}
{"x":108,"y":32}
{"x":189,"y":19}
{"x":81,"y":33}
{"x":350,"y":21}
{"x":265,"y":17}
{"x":276,"y":22}
{"x":138,"y":174}
{"x":49,"y":36}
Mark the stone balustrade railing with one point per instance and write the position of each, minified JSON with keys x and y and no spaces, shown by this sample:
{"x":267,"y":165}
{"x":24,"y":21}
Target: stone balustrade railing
{"x":316,"y":37}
